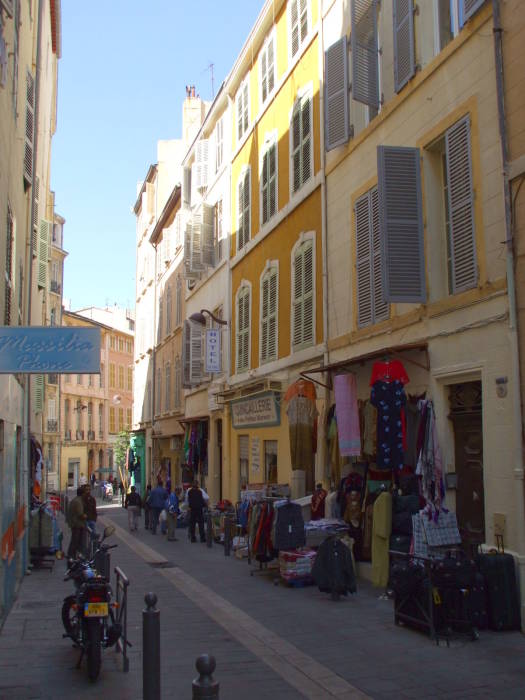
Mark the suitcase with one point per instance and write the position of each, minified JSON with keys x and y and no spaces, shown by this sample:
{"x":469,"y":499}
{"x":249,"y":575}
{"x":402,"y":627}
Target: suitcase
{"x":405,"y":504}
{"x":477,"y":603}
{"x":503,"y":606}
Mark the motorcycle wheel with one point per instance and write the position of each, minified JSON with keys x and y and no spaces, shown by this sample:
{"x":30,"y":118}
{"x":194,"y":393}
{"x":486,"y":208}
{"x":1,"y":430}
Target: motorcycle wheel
{"x":94,"y":645}
{"x":70,"y":618}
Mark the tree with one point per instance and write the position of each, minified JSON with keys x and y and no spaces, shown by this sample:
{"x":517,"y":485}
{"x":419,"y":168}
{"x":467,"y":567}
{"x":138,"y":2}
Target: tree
{"x":121,"y":447}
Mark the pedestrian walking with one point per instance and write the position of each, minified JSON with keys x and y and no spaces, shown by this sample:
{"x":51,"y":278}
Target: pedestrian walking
{"x":147,"y":510}
{"x":92,"y":479}
{"x":196,"y":502}
{"x":172,"y":511}
{"x":76,"y":519}
{"x":133,"y":504}
{"x":122,"y":492}
{"x":157,"y":499}
{"x":90,"y":509}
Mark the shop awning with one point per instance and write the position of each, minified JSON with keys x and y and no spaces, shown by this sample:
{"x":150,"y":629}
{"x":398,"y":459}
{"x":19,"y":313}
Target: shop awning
{"x":398,"y":351}
{"x":193,"y":419}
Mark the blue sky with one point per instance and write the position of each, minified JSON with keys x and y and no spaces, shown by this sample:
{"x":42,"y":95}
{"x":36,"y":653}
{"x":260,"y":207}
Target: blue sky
{"x":122,"y":79}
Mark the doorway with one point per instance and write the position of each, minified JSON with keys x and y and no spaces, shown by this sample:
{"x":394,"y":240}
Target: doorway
{"x":73,"y":470}
{"x":465,"y":401}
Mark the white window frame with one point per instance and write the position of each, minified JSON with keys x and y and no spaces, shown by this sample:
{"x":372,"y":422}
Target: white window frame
{"x":245,"y":169}
{"x":456,"y":23}
{"x":240,"y":96}
{"x":270,"y":40}
{"x":305,"y":93}
{"x":270,"y":141}
{"x":272,"y":266}
{"x":244,"y":285}
{"x":219,"y":143}
{"x":302,"y":43}
{"x":303,"y":238}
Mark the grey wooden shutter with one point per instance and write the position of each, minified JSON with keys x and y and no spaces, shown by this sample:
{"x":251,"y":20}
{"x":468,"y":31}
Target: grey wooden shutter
{"x":197,"y":347}
{"x":381,"y":308}
{"x":306,"y":139}
{"x":34,"y":229}
{"x":246,"y":208}
{"x":336,"y":94}
{"x":197,"y":235}
{"x":264,"y":318}
{"x":365,"y":63}
{"x":30,"y":128}
{"x":43,"y":252}
{"x":186,"y":188}
{"x":265,"y":187}
{"x":208,"y":235}
{"x":470,"y":7}
{"x":296,"y":146}
{"x":404,"y":52}
{"x":461,"y":206}
{"x":272,"y":175}
{"x":363,"y":261}
{"x":308,"y":294}
{"x":297,"y":300}
{"x":272,"y":315}
{"x":401,"y":224}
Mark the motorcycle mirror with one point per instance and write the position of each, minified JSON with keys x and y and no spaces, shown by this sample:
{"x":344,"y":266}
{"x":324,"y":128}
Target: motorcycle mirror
{"x":108,"y":531}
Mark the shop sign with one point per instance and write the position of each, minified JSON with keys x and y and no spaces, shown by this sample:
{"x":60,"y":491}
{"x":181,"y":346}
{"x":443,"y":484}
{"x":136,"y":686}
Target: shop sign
{"x":213,"y":350}
{"x":43,"y":349}
{"x":258,"y":411}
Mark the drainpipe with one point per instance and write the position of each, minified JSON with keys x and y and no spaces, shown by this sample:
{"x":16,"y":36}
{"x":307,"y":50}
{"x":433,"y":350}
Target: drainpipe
{"x":153,"y":365}
{"x":324,"y":245}
{"x":513,"y":318}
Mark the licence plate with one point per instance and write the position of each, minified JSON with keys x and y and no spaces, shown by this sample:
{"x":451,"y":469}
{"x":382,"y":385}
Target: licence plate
{"x":95,"y":610}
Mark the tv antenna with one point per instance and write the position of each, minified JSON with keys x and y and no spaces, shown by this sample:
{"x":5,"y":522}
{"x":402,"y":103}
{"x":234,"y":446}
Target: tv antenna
{"x":210,"y":68}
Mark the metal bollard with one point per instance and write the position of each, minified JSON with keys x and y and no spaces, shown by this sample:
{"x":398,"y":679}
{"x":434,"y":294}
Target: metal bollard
{"x":227,"y":536}
{"x":205,"y":687}
{"x":150,"y":649}
{"x":209,"y":531}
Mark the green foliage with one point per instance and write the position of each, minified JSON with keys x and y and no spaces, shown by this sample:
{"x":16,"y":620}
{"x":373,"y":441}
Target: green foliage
{"x":121,"y":446}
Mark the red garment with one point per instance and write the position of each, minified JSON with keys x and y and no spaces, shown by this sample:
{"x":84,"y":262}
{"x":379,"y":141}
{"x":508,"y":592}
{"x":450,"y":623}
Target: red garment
{"x":318,"y":504}
{"x":388,"y":372}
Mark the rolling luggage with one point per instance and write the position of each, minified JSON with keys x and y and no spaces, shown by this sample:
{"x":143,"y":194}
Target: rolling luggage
{"x":503,"y":606}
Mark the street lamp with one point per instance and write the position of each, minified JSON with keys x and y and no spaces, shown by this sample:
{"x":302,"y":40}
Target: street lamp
{"x":198,"y":317}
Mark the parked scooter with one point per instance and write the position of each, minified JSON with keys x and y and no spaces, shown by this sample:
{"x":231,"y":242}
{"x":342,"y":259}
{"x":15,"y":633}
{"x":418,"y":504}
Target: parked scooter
{"x":88,"y":616}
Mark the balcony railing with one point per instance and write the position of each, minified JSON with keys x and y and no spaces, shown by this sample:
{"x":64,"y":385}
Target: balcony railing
{"x":52,"y":425}
{"x":55,"y":286}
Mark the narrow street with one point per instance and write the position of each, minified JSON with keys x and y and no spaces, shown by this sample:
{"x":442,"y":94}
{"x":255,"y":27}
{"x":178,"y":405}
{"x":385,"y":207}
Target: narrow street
{"x":269,"y":641}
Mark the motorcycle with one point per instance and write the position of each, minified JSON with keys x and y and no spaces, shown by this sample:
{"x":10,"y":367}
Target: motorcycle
{"x":88,"y":615}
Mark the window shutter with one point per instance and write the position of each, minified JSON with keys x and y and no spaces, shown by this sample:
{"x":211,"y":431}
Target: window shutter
{"x":461,"y":206}
{"x":308,"y":294}
{"x":243,"y":329}
{"x":404,"y":58}
{"x":381,"y":308}
{"x":294,"y":17}
{"x":43,"y":252}
{"x":186,"y":354}
{"x":401,"y":224}
{"x":269,"y":316}
{"x":306,"y":126}
{"x":470,"y":7}
{"x":239,"y":117}
{"x":264,"y":319}
{"x":268,"y":183}
{"x":298,"y":300}
{"x":177,"y":228}
{"x":38,"y":396}
{"x":189,"y":272}
{"x":197,"y":265}
{"x":34,"y":229}
{"x":200,"y":166}
{"x":270,"y":66}
{"x":208,"y":235}
{"x":243,"y":232}
{"x":296,"y":147}
{"x":30,"y":128}
{"x":178,"y":312}
{"x":240,"y":217}
{"x":177,"y":383}
{"x":245,"y":106}
{"x":365,"y":64}
{"x":363,"y":262}
{"x":186,"y":188}
{"x":336,"y":94}
{"x":265,"y":187}
{"x":272,"y":183}
{"x":264,"y":75}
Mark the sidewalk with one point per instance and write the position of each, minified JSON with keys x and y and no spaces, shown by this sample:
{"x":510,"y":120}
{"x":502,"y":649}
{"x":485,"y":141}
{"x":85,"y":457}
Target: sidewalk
{"x":269,"y":641}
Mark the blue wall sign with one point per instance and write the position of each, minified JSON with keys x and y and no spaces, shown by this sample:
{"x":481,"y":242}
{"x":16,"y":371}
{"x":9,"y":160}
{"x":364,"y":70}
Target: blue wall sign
{"x":213,"y":350}
{"x":44,"y":349}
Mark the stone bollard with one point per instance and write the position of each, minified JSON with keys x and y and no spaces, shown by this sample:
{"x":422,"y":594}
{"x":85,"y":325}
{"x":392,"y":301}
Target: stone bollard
{"x":209,"y":531}
{"x":205,"y":687}
{"x":150,"y":649}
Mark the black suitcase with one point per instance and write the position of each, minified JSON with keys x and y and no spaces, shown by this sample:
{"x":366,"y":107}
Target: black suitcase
{"x":405,"y":504}
{"x":503,"y":605}
{"x":477,"y":603}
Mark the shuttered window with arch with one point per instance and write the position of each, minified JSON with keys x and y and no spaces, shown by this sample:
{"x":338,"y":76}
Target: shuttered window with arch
{"x":269,"y":180}
{"x":242,"y":325}
{"x":243,"y":209}
{"x":269,"y":313}
{"x":301,"y":142}
{"x":303,"y":295}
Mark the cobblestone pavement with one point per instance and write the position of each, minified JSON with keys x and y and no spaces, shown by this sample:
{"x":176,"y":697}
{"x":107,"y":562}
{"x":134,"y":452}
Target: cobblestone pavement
{"x":269,"y":641}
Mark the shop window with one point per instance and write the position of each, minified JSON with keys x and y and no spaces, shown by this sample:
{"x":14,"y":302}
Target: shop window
{"x":270,"y":461}
{"x":244,"y":442}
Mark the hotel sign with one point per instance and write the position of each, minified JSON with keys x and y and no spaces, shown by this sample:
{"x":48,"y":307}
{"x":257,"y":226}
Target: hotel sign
{"x":259,"y":411}
{"x":45,"y":349}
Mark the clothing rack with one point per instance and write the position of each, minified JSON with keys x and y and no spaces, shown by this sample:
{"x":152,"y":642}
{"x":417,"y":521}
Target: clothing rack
{"x":263,"y":565}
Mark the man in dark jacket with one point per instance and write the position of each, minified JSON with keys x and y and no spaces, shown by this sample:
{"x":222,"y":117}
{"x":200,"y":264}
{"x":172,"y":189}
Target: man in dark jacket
{"x":156,"y":502}
{"x":76,"y":518}
{"x":196,"y":503}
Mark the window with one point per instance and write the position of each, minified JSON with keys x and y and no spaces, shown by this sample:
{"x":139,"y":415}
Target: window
{"x":269,"y":180}
{"x":158,"y":389}
{"x":365,"y":57}
{"x":120,"y":377}
{"x":101,"y":376}
{"x":301,"y":146}
{"x":79,"y":379}
{"x":129,"y":386}
{"x":68,"y":379}
{"x":128,"y":418}
{"x":219,"y":143}
{"x":267,"y":64}
{"x":192,"y":353}
{"x":450,"y":16}
{"x":112,"y":375}
{"x":90,"y":416}
{"x":178,"y":384}
{"x":30,"y":127}
{"x":90,"y":380}
{"x":167,"y":392}
{"x":121,"y":344}
{"x":16,"y":43}
{"x":112,"y":342}
{"x":243,"y":114}
{"x":244,"y":454}
{"x":404,"y":45}
{"x":243,"y":212}
{"x":159,"y":327}
{"x":53,"y":317}
{"x":298,"y":17}
{"x":129,"y":347}
{"x":270,"y":461}
{"x":101,"y":420}
{"x":178,"y":310}
{"x":100,"y":458}
{"x":9,"y":245}
{"x":120,"y":420}
{"x":303,"y":295}
{"x":243,"y":329}
{"x":219,"y":252}
{"x":168,"y":310}
{"x":337,"y":91}
{"x":269,"y":306}
{"x":78,"y":411}
{"x":112,"y":424}
{"x":67,"y":415}
{"x":371,"y":307}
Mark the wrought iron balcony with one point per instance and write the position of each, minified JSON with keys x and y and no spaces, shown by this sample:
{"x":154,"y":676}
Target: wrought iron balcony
{"x":55,"y":286}
{"x":52,"y":425}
